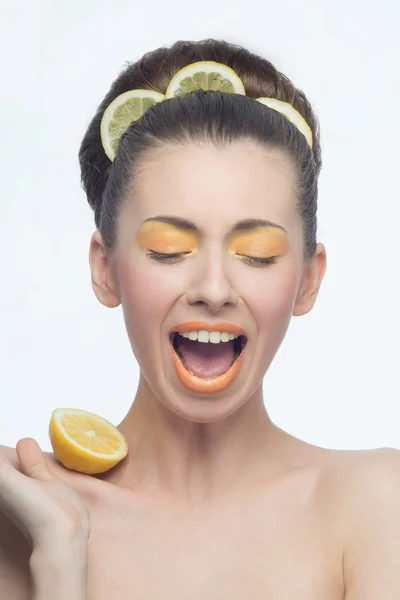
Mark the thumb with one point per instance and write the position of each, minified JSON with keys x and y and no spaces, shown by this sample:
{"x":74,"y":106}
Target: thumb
{"x":32,"y":460}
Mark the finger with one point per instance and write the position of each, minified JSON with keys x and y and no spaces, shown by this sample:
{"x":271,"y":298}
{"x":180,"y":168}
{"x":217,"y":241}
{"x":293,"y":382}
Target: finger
{"x":22,"y":501}
{"x":32,"y":460}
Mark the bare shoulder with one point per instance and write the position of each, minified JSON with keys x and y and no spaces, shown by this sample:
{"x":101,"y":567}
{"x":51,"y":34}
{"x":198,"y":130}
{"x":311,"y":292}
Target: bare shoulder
{"x":14,"y":549}
{"x":361,"y":478}
{"x":355,"y":468}
{"x":341,"y":474}
{"x":351,"y":479}
{"x":363,"y":488}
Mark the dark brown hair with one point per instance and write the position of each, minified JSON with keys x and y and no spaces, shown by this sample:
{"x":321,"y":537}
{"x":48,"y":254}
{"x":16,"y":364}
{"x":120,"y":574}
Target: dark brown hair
{"x":216,"y":117}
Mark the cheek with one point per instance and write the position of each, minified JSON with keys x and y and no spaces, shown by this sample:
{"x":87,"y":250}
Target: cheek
{"x":145,"y":299}
{"x":271,"y":296}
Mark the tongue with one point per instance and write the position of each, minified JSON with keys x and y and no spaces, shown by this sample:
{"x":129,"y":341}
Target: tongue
{"x":205,"y":360}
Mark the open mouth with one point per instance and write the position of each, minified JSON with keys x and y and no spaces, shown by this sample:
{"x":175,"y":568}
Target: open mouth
{"x":207,"y":360}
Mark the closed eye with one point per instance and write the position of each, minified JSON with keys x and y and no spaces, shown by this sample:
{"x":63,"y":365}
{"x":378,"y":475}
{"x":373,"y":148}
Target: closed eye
{"x":172,"y":257}
{"x":166,"y":257}
{"x":258,"y":259}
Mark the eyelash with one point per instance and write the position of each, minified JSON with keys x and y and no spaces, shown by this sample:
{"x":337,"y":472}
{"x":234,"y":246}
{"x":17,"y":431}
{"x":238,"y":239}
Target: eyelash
{"x":258,"y":260}
{"x":165,"y":257}
{"x":176,"y":256}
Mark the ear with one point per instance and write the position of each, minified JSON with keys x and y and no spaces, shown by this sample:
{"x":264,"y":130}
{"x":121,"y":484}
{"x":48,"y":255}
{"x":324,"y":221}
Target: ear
{"x":103,"y":282}
{"x":314,"y":272}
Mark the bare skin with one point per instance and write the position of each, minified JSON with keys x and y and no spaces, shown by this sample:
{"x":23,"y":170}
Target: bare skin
{"x":281,"y":536}
{"x":213,"y":500}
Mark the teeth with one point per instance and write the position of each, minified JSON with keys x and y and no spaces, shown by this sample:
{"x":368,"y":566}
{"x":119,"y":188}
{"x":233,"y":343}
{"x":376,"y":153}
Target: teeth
{"x":215,"y":337}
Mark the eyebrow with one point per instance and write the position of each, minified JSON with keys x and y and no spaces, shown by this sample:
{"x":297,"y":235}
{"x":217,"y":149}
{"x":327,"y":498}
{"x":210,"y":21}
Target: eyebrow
{"x":241,"y":225}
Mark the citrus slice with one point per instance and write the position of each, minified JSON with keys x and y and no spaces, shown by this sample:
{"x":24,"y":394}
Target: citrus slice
{"x":205,"y":75}
{"x":290,"y":113}
{"x":83,"y":441}
{"x":124,"y":110}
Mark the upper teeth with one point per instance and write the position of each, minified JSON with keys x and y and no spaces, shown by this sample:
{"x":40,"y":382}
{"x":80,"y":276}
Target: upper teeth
{"x":215,"y":337}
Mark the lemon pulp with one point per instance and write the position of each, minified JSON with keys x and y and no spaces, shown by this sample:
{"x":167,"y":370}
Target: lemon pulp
{"x":204,"y":75}
{"x":122,"y":112}
{"x":85,"y":442}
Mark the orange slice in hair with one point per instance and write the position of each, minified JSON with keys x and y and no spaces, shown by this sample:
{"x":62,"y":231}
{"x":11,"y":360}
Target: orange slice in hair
{"x":205,"y":75}
{"x":290,"y":113}
{"x":84,"y":442}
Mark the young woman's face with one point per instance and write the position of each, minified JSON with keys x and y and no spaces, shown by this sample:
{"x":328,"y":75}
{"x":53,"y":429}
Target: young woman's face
{"x":198,"y":203}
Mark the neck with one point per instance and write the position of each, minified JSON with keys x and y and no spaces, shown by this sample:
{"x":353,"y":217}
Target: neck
{"x":196,"y":462}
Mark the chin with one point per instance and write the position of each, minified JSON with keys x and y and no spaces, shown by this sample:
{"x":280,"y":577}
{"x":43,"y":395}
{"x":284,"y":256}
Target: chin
{"x":203,"y":410}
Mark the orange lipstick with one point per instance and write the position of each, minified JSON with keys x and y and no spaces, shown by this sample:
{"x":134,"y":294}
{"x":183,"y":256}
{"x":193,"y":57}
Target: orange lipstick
{"x":202,"y":326}
{"x":206,"y":386}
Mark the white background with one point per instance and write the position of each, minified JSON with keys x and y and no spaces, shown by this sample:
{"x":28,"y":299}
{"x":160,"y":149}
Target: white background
{"x":335,"y":379}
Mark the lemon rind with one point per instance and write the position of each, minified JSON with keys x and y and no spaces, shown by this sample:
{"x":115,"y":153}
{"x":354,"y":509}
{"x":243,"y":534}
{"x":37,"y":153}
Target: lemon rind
{"x":293,"y":115}
{"x":116,"y":103}
{"x":207,"y":66}
{"x":59,"y":413}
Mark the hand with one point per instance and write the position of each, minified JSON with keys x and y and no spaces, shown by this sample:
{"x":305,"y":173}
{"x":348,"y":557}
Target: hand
{"x":41,"y":505}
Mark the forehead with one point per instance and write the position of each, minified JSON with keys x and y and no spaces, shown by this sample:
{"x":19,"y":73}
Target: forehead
{"x":214,"y":186}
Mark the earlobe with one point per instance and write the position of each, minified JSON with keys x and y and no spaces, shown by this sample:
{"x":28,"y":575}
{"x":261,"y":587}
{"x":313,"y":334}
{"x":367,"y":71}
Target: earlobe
{"x":311,"y":282}
{"x":102,"y":279}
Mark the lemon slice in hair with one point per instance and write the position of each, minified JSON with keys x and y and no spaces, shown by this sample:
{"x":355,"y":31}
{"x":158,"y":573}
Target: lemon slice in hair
{"x":290,"y":113}
{"x":119,"y":115}
{"x":205,"y":75}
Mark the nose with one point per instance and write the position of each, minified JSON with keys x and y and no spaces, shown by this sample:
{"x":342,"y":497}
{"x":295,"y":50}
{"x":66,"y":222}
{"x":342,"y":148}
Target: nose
{"x":210,"y":284}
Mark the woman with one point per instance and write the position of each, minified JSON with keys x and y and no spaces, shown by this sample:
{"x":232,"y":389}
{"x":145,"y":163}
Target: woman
{"x":206,"y":235}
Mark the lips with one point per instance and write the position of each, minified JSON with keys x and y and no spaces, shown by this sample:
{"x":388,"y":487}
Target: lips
{"x":201,"y":325}
{"x":216,"y":384}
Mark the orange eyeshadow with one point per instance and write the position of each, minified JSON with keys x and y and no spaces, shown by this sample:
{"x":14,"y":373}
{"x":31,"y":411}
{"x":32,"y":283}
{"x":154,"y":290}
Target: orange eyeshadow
{"x":262,"y":242}
{"x":165,"y":238}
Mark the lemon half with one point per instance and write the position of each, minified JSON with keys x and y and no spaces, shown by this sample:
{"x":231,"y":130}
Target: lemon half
{"x":290,"y":113}
{"x":205,"y":75}
{"x":85,"y":442}
{"x":124,"y":110}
